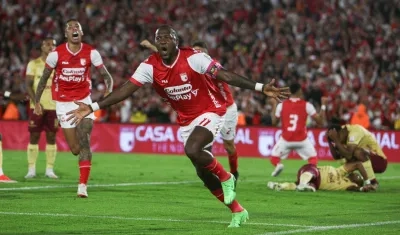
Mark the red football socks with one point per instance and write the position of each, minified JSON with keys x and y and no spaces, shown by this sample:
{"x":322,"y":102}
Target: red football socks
{"x":313,"y":160}
{"x":217,"y":169}
{"x":84,"y":170}
{"x":233,"y":162}
{"x":275,"y":160}
{"x":235,"y":206}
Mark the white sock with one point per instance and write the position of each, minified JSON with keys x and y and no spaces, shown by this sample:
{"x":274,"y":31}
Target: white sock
{"x":1,"y":171}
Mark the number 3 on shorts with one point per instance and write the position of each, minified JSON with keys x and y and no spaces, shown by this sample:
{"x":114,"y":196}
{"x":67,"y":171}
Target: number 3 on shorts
{"x":293,"y":122}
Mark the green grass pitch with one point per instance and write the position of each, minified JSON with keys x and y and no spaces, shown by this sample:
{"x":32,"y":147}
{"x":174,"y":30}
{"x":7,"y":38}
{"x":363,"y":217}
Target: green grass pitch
{"x":146,"y":194}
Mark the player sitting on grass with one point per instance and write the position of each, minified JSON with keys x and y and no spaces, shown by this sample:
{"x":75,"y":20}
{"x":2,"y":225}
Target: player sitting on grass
{"x":312,"y":178}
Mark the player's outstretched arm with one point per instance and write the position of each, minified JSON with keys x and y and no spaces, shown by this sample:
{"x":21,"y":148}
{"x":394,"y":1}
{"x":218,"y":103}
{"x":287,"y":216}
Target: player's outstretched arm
{"x":107,"y":79}
{"x":245,"y":83}
{"x":352,"y":166}
{"x":118,"y":95}
{"x":40,"y":88}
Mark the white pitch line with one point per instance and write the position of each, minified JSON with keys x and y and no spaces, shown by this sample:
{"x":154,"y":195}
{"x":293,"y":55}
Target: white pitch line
{"x":333,"y":227}
{"x":144,"y":184}
{"x":98,"y":185}
{"x":141,"y":219}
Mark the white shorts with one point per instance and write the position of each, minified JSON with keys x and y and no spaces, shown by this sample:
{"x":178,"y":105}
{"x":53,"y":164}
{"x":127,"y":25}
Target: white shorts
{"x":212,"y":121}
{"x":228,"y":131}
{"x":62,"y":108}
{"x":304,"y":148}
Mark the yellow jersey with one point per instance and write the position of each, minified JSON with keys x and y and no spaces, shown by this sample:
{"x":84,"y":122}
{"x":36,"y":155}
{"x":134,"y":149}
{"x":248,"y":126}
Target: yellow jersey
{"x":35,"y":69}
{"x":361,"y":137}
{"x":334,"y":179}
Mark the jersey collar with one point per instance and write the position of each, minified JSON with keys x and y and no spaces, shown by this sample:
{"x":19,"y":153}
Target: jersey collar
{"x":66,"y":45}
{"x":176,"y":60}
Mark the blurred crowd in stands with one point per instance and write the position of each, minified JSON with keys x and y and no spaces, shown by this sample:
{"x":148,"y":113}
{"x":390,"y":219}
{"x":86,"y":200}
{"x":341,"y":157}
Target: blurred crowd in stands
{"x":348,"y":50}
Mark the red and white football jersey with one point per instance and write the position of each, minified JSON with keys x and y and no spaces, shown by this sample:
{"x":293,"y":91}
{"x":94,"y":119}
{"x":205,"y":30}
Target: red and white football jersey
{"x":293,"y":114}
{"x":184,"y":83}
{"x":71,"y":80}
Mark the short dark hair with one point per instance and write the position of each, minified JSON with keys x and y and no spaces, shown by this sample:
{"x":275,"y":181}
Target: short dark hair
{"x":295,"y":87}
{"x":172,"y":30}
{"x":200,"y":44}
{"x":48,"y":38}
{"x":71,"y":19}
{"x":336,"y":127}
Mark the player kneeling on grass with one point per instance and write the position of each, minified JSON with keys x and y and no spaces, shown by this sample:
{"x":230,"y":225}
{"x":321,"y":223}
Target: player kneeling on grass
{"x":354,"y":143}
{"x":312,"y":178}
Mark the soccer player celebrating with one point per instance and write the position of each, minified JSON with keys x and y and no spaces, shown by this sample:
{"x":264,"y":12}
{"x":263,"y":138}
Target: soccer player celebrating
{"x":46,"y":122}
{"x":293,"y":114}
{"x":71,"y":82}
{"x":228,"y":131}
{"x":179,"y":76}
{"x":355,"y":143}
{"x":311,"y":178}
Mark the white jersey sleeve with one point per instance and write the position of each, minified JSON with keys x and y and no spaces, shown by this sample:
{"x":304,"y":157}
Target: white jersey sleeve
{"x":143,"y":74}
{"x":95,"y":58}
{"x":52,"y":59}
{"x":203,"y":64}
{"x":278,"y":110}
{"x":310,"y":109}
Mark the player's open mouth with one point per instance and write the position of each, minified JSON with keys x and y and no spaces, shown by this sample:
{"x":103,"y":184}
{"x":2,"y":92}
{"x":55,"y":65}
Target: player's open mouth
{"x":75,"y":35}
{"x":164,"y":50}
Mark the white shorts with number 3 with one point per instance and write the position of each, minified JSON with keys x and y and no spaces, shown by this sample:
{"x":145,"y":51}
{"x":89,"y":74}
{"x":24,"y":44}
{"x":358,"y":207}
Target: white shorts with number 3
{"x":212,"y":121}
{"x":304,"y":148}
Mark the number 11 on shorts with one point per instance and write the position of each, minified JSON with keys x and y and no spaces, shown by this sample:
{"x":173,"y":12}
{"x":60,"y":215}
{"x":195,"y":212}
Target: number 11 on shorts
{"x":205,"y":122}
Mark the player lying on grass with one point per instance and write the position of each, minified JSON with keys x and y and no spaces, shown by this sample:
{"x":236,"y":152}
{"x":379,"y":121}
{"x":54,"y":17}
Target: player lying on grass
{"x":355,"y":143}
{"x":312,"y":178}
{"x":15,"y":97}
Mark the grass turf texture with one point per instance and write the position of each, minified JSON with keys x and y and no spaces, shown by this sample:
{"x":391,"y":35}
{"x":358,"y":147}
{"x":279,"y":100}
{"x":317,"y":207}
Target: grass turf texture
{"x":163,"y":195}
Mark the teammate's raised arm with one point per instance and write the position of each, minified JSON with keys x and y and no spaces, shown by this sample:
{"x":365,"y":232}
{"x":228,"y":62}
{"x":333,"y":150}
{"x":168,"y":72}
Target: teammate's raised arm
{"x":145,"y":43}
{"x":320,"y":117}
